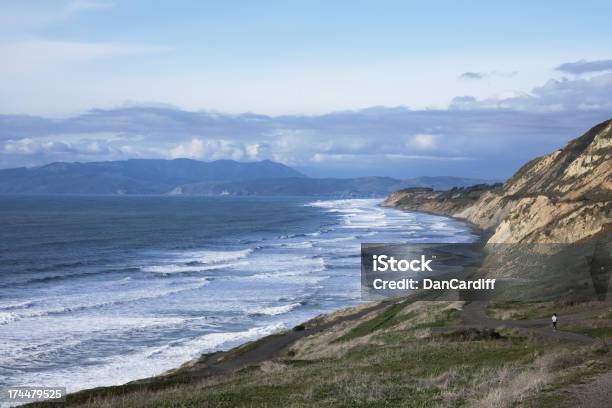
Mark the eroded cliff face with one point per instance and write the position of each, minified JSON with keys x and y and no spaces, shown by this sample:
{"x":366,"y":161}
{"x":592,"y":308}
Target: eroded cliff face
{"x":562,"y":197}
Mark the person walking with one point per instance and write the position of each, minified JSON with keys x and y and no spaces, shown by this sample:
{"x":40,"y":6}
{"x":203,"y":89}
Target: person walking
{"x":554,"y":321}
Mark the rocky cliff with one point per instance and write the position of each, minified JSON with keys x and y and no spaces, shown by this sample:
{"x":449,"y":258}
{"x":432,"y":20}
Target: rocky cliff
{"x":562,"y":197}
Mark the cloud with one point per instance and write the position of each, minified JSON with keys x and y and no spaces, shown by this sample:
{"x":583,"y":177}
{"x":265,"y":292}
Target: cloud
{"x":32,"y":147}
{"x":470,"y":76}
{"x":555,"y":95}
{"x":471,"y":137}
{"x":583,"y":66}
{"x":211,"y":149}
{"x":423,"y":141}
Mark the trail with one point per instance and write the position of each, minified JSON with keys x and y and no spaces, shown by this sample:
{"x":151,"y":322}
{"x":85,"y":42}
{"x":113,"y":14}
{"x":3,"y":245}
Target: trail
{"x":596,"y":393}
{"x":474,"y":315}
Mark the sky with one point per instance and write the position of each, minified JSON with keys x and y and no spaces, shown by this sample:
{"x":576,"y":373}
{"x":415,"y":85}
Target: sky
{"x":342,"y":88}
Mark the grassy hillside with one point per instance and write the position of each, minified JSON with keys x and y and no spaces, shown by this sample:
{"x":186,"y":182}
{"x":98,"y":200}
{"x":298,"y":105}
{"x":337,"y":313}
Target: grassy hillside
{"x":393,"y":354}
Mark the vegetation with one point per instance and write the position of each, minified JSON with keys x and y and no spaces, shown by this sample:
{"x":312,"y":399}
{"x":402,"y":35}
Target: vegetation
{"x":408,"y":353}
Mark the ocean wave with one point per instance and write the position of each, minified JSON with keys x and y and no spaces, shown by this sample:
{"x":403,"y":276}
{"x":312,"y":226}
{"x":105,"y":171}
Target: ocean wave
{"x":339,"y":239}
{"x":304,"y":245}
{"x":290,"y":236}
{"x":274,"y":310}
{"x":343,"y":204}
{"x":290,"y":277}
{"x":127,"y":297}
{"x":357,"y":213}
{"x":198,"y":261}
{"x":69,"y":276}
{"x":18,"y":305}
{"x":8,"y":317}
{"x":191,"y":348}
{"x":121,"y":368}
{"x":67,"y":265}
{"x":207,"y":257}
{"x":174,"y":268}
{"x":60,"y":338}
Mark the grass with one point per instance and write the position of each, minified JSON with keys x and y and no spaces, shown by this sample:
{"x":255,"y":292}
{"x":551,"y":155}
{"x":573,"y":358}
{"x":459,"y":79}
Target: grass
{"x":443,"y":318}
{"x":388,"y":318}
{"x":419,"y":374}
{"x":599,"y":332}
{"x":573,"y":368}
{"x":378,"y":361}
{"x":519,"y":310}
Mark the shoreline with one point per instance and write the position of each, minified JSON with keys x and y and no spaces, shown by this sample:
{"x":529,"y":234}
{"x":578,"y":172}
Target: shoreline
{"x":482,"y":234}
{"x":261,"y":349}
{"x":224,"y":362}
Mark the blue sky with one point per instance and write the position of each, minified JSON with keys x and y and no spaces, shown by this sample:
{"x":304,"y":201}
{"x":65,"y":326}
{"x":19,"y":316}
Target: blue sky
{"x":451,"y":68}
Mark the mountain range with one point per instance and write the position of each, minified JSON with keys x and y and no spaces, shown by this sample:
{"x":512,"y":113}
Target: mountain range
{"x":193,"y":177}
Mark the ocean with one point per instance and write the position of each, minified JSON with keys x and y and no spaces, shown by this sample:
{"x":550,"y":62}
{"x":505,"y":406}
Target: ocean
{"x":103,"y":290}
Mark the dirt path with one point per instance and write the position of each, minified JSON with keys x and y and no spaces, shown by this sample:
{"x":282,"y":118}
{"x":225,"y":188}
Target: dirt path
{"x":595,"y":394}
{"x":474,"y":315}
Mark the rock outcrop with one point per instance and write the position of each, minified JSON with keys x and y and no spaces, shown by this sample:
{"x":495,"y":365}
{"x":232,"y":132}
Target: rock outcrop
{"x":563,"y":197}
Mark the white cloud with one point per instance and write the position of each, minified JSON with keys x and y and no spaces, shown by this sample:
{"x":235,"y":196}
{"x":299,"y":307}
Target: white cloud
{"x":28,"y":147}
{"x":215,"y":149}
{"x":423,"y":141}
{"x":470,"y":75}
{"x":193,"y":149}
{"x":556,"y":95}
{"x":461,"y":140}
{"x":351,"y":158}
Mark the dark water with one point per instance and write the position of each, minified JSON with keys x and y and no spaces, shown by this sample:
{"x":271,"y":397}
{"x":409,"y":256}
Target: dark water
{"x":103,"y":290}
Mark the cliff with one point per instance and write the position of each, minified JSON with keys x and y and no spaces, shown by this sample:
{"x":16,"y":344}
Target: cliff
{"x":562,"y":197}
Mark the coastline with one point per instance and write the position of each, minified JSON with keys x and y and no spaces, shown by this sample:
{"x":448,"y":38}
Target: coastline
{"x":482,"y":234}
{"x":254,"y":352}
{"x":483,"y":340}
{"x":224,"y":362}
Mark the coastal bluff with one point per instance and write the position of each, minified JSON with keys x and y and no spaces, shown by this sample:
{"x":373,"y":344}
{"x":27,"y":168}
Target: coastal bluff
{"x":562,"y":197}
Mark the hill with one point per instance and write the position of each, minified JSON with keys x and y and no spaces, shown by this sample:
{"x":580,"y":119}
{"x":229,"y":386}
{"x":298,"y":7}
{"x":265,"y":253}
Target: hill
{"x":136,"y":176}
{"x":342,"y":187}
{"x":192,"y":177}
{"x":563,"y":197}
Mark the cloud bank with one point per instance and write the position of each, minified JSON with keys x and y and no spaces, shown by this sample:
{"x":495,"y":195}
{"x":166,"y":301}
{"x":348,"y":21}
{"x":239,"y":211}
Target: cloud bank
{"x":473,"y":137}
{"x":583,"y":66}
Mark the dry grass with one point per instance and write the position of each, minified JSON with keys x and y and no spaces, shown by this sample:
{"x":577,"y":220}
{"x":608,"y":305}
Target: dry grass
{"x":511,"y":385}
{"x":535,"y":310}
{"x":323,"y":344}
{"x":426,"y":313}
{"x":560,"y":359}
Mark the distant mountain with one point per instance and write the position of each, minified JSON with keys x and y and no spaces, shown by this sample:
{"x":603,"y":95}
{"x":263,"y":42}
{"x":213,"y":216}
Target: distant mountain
{"x":146,"y":176}
{"x":192,"y":177}
{"x":345,"y":187}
